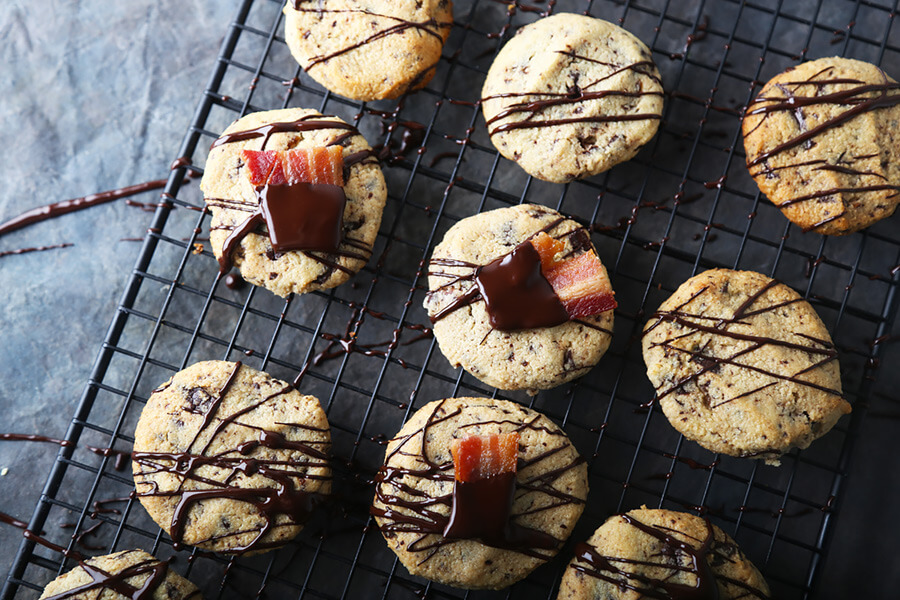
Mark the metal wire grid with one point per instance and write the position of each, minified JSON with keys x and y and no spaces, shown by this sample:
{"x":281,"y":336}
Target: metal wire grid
{"x":685,"y":204}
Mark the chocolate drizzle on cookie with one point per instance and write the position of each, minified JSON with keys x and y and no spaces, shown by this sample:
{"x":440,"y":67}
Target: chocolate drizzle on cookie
{"x":819,"y":351}
{"x":428,"y":515}
{"x":516,"y":294}
{"x":858,"y":99}
{"x":533,"y":104}
{"x":659,"y":579}
{"x":277,"y":498}
{"x":102,"y":580}
{"x":429,"y":27}
{"x":325,"y":239}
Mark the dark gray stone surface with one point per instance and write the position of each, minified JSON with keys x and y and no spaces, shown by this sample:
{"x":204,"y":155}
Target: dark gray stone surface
{"x":97,"y":95}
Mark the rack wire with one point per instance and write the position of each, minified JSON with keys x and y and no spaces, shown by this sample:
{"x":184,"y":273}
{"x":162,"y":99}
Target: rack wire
{"x":683,"y":205}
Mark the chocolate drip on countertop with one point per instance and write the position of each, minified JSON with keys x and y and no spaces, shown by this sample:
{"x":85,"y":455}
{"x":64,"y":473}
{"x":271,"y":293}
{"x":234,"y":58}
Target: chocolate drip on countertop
{"x":423,"y":514}
{"x":11,"y":520}
{"x":34,"y":249}
{"x":30,"y":437}
{"x":614,"y":569}
{"x":719,"y":326}
{"x":283,"y":499}
{"x":42,"y":213}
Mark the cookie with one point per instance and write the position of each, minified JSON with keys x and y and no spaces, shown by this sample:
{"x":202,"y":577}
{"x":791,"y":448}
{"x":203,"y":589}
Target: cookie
{"x":415,"y":494}
{"x":228,"y":459}
{"x":237,"y":204}
{"x":533,"y":358}
{"x":660,"y":554}
{"x":823,"y":143}
{"x":571,"y":96}
{"x":370,"y":49}
{"x":743,"y":365}
{"x":121,"y":575}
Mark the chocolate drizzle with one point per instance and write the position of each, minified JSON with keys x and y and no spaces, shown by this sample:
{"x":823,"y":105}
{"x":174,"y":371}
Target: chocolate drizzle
{"x":34,"y":249}
{"x":117,"y":582}
{"x":307,"y":237}
{"x":516,"y":294}
{"x":304,"y":123}
{"x":528,"y":305}
{"x":278,"y":498}
{"x":428,"y":516}
{"x":31,"y":437}
{"x":429,"y":27}
{"x":11,"y":520}
{"x":480,"y":508}
{"x":820,"y":352}
{"x":350,"y":341}
{"x":42,"y":213}
{"x":684,"y":570}
{"x":533,"y":104}
{"x":862,"y":175}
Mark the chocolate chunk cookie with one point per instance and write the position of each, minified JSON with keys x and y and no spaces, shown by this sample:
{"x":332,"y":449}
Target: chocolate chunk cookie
{"x":369,"y":49}
{"x":121,"y":576}
{"x":571,"y":96}
{"x":823,"y":143}
{"x":228,"y":459}
{"x":235,"y":201}
{"x":743,"y":365}
{"x":660,"y":554}
{"x":415,"y":494}
{"x":534,"y":358}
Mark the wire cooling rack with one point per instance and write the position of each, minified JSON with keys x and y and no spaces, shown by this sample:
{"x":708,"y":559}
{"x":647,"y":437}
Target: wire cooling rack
{"x":683,"y":205}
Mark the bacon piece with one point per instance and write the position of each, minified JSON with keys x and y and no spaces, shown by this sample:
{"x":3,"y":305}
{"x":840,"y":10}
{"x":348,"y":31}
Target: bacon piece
{"x":277,"y":176}
{"x":547,"y":247}
{"x":260,"y":164}
{"x":581,"y":285}
{"x":324,"y":165}
{"x":479,"y":457}
{"x":315,"y":165}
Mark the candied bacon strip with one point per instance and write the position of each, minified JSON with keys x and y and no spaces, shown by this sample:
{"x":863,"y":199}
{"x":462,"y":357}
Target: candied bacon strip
{"x":582,"y":286}
{"x":315,"y":165}
{"x":479,"y":457}
{"x":260,"y":164}
{"x":547,"y":248}
{"x":580,"y":282}
{"x":322,"y":165}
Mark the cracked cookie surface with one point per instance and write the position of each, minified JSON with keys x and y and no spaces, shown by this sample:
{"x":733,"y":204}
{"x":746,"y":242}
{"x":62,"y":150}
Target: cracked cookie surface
{"x":823,"y":144}
{"x":571,"y":96}
{"x":743,"y":365}
{"x":529,"y":359}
